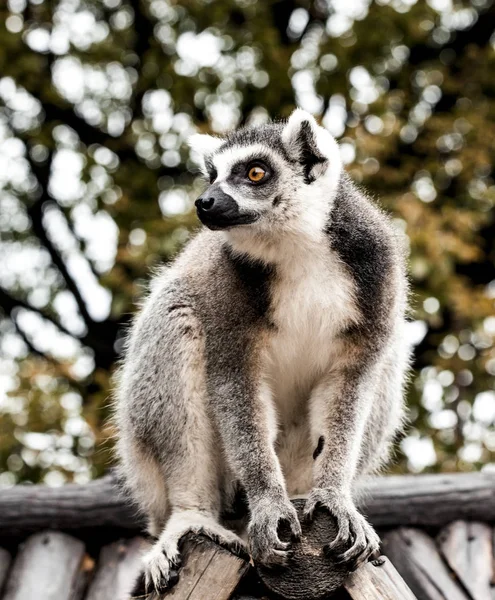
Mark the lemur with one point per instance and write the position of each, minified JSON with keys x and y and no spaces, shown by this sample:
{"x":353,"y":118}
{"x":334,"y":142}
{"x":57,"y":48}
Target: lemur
{"x":270,"y":356}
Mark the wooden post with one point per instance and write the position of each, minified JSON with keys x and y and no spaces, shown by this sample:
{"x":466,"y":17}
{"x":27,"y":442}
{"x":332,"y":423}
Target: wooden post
{"x":208,"y":571}
{"x":118,"y":567}
{"x":309,"y":573}
{"x":417,"y":559}
{"x":47,"y":567}
{"x":468,"y":550}
{"x":377,"y":580}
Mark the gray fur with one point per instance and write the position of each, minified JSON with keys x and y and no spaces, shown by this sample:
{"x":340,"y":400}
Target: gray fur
{"x":269,"y":357}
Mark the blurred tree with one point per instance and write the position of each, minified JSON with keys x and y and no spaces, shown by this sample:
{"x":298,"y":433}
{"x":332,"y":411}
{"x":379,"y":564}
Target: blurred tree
{"x":96,"y":102}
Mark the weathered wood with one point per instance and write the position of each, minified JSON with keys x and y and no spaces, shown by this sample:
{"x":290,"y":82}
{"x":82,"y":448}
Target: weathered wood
{"x":420,"y":500}
{"x":415,"y":555}
{"x":85,"y":574}
{"x":309,"y":573}
{"x":467,"y":548}
{"x":208,"y":571}
{"x":25,"y":509}
{"x":378,"y":580}
{"x":118,"y":567}
{"x":5,"y":560}
{"x":430,"y":500}
{"x":47,"y":567}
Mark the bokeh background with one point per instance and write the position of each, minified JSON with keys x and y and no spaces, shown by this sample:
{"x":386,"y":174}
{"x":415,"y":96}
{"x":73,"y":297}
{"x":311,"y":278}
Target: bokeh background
{"x":97,"y":100}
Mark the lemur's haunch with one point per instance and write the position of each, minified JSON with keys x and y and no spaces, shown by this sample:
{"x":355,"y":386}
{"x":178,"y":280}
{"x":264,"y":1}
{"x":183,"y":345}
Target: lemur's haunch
{"x":270,"y":356}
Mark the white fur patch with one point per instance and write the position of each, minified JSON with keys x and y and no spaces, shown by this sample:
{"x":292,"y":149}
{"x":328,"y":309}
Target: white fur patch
{"x":293,"y":127}
{"x":202,"y":146}
{"x":325,"y":143}
{"x":313,"y":301}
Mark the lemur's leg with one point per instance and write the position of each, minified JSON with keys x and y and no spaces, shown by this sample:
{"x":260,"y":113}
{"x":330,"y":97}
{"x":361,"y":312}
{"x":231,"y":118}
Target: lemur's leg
{"x":144,"y":479}
{"x":340,"y":408}
{"x":195,"y":514}
{"x":170,"y":417}
{"x":387,"y":411}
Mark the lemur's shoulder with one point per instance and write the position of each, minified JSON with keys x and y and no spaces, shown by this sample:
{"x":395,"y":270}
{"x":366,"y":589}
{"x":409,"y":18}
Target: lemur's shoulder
{"x":365,"y":239}
{"x":220,"y":284}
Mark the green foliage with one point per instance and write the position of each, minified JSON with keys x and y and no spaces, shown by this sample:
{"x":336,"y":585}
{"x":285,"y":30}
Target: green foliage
{"x":97,"y":100}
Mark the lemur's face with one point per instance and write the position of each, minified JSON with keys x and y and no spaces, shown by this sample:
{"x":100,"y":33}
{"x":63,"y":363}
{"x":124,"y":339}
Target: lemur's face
{"x":263,"y":177}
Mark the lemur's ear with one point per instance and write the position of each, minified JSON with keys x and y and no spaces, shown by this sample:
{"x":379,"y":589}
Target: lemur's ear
{"x":204,"y":145}
{"x":307,"y":143}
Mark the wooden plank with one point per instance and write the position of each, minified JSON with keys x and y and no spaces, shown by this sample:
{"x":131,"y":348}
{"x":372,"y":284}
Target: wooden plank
{"x":405,"y":500}
{"x":26,"y":509}
{"x":118,"y":567}
{"x":208,"y":571}
{"x":467,"y":548}
{"x":47,"y":567}
{"x":5,"y":560}
{"x":415,"y":555}
{"x":429,"y":500}
{"x":378,"y":580}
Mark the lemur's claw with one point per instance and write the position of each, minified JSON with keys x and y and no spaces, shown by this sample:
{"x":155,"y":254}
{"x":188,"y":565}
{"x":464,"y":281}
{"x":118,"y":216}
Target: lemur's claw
{"x":266,"y":547}
{"x":356,"y":539}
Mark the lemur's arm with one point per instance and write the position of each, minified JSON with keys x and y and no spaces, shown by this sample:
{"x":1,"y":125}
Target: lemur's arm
{"x":246,"y":424}
{"x":343,"y":403}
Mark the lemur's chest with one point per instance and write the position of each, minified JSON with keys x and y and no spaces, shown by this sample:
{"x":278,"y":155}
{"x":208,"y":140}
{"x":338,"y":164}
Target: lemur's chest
{"x":311,"y":304}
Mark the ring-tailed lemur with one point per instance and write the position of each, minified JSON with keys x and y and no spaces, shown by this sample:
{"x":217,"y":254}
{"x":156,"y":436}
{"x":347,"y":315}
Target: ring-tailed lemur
{"x":270,"y":356}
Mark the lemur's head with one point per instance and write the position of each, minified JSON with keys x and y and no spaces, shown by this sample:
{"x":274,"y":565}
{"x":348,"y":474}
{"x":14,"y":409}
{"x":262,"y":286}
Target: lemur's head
{"x":268,"y":178}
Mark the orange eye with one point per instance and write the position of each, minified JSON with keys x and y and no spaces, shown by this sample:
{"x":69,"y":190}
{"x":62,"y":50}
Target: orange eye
{"x":256,"y":174}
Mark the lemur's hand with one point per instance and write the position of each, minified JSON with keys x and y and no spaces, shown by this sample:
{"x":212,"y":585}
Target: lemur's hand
{"x":354,"y":531}
{"x":264,"y":543}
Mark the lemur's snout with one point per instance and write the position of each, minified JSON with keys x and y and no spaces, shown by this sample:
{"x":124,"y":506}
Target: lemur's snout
{"x":218,"y":210}
{"x":216,"y":203}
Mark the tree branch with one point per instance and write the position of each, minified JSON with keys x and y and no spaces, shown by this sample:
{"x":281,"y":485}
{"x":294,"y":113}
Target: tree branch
{"x":35,"y":212}
{"x":9,"y":304}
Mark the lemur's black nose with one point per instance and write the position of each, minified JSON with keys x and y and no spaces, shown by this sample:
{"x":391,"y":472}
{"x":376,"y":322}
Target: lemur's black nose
{"x":218,"y":210}
{"x":205,"y":203}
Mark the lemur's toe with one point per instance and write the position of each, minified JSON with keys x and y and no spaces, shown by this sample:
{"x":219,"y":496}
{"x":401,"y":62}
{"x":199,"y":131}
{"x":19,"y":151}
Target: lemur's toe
{"x":227,"y":540}
{"x":159,"y":575}
{"x":168,"y":582}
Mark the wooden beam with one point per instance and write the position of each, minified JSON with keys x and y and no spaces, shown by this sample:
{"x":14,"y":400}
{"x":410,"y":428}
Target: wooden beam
{"x":208,"y":571}
{"x":409,"y":500}
{"x":48,"y":566}
{"x":118,"y":567}
{"x":468,"y":550}
{"x":430,"y":500}
{"x":98,"y":505}
{"x":416,"y":557}
{"x":378,"y":580}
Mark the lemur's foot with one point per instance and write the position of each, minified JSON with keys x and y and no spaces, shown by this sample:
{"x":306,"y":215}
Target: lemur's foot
{"x":354,"y":531}
{"x":160,"y":574}
{"x":162,"y":563}
{"x":265,"y":545}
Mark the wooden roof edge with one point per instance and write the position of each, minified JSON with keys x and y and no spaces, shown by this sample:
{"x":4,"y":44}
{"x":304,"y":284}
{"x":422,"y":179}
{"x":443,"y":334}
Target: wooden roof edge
{"x":389,"y":501}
